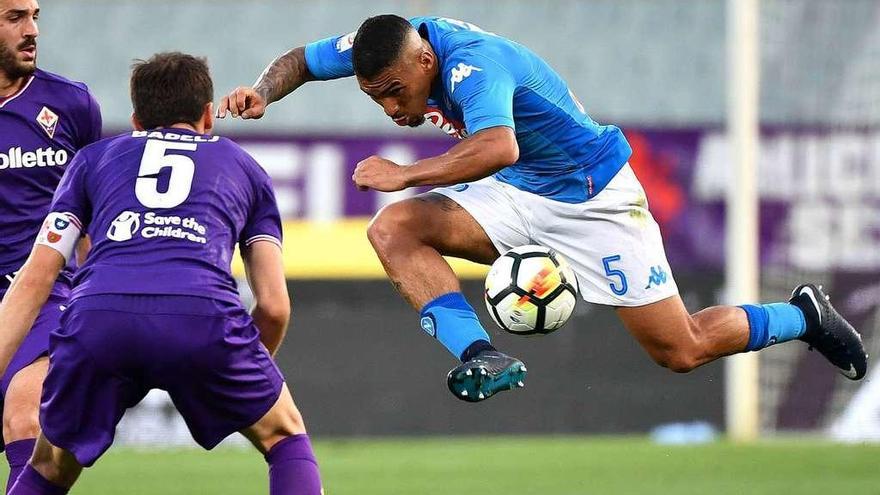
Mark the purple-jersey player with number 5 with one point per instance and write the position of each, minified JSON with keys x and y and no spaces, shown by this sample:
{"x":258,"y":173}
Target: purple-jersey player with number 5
{"x":155,"y":304}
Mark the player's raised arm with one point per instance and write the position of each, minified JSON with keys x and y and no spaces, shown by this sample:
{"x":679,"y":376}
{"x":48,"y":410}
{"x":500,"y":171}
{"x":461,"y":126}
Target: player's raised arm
{"x":279,"y":79}
{"x":323,"y":60}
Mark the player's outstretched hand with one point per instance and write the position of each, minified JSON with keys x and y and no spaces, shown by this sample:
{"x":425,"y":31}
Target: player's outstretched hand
{"x":379,"y":174}
{"x":244,"y":102}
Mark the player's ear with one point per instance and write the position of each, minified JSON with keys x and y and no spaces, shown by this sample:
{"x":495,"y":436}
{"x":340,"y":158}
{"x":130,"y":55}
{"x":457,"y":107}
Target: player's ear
{"x":136,"y":123}
{"x":208,"y":117}
{"x":427,"y":60}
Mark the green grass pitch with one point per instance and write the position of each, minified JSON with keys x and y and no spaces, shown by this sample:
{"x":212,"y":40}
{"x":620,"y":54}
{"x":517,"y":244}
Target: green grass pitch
{"x":508,"y":466}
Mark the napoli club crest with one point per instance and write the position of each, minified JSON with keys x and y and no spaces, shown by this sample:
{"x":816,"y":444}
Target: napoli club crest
{"x":48,"y":120}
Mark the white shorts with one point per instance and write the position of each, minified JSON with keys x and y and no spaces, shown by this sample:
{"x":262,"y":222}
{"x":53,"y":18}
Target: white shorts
{"x":611,"y":241}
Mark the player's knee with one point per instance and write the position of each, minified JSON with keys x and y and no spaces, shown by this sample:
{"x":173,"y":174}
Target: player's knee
{"x":20,"y":424}
{"x":393,"y":223}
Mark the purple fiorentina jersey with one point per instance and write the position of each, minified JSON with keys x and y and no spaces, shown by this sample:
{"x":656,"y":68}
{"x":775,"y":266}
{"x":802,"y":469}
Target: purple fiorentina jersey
{"x":41,"y":128}
{"x":165,"y":209}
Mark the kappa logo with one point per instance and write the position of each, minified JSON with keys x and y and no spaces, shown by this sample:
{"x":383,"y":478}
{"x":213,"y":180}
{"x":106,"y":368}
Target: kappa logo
{"x":657,"y":277}
{"x":124,"y":226}
{"x":48,"y":120}
{"x":459,"y":73}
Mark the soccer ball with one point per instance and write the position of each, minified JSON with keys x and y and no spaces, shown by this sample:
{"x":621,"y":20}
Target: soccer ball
{"x":530,"y":290}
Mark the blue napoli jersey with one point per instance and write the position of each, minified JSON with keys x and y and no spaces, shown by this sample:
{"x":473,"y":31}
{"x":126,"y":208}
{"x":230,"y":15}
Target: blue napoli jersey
{"x":489,"y":81}
{"x":165,"y":209}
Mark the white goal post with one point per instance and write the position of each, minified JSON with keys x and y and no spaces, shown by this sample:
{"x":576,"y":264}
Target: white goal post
{"x":742,"y":263}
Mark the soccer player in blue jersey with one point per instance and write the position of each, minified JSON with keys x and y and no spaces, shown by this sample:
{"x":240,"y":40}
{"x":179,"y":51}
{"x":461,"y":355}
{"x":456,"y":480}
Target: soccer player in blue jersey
{"x":532,"y":168}
{"x":155,"y":304}
{"x":44,"y":120}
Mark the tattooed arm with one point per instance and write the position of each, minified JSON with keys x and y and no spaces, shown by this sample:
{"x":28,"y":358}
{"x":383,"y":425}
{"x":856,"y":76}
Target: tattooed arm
{"x":329,"y":58}
{"x":279,"y":79}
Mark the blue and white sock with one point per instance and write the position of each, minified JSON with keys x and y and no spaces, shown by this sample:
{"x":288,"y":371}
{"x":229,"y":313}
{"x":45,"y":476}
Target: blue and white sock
{"x":452,"y":321}
{"x":773,"y":323}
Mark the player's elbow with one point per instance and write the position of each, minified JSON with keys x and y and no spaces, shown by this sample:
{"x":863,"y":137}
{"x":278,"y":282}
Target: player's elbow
{"x":274,"y":311}
{"x":505,"y":149}
{"x":508,"y":155}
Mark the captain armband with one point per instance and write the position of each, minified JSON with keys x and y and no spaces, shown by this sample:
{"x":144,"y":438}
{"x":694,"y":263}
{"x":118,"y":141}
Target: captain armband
{"x":61,"y":232}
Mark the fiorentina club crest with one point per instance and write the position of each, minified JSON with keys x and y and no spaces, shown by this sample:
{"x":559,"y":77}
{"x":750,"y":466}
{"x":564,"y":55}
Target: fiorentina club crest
{"x":48,"y":120}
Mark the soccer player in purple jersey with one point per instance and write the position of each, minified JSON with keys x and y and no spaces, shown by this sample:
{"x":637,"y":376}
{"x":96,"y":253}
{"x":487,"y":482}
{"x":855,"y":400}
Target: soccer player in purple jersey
{"x":44,"y":120}
{"x":155,"y":304}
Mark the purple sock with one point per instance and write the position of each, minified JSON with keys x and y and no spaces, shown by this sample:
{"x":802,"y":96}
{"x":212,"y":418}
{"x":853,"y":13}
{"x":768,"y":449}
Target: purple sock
{"x":30,"y":482}
{"x":18,"y":453}
{"x":293,"y":469}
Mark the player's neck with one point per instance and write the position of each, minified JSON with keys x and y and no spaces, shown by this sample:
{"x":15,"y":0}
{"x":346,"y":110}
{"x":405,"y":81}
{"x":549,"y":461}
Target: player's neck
{"x":9,"y":86}
{"x":199,"y":127}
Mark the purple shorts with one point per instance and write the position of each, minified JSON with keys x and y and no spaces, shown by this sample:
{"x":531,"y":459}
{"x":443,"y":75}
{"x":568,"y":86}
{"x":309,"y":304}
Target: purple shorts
{"x":111,"y":350}
{"x":36,"y":343}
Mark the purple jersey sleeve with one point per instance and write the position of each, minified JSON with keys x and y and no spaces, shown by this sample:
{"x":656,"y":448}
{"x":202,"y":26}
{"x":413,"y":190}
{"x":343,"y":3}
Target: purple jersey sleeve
{"x":264,"y":221}
{"x":70,"y":196}
{"x":91,"y":130}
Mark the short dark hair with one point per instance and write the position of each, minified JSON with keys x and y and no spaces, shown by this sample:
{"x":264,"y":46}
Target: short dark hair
{"x":378,"y":43}
{"x":170,"y":88}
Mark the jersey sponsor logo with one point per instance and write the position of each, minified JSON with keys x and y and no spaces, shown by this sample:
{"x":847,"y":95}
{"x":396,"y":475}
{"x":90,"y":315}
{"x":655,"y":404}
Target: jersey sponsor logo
{"x":447,"y":125}
{"x":344,"y":43}
{"x":657,"y":277}
{"x":48,"y":120}
{"x":124,"y":227}
{"x":128,"y":225}
{"x":42,"y":157}
{"x":459,"y":73}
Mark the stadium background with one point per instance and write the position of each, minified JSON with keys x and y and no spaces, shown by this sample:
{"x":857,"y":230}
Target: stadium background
{"x":356,"y":360}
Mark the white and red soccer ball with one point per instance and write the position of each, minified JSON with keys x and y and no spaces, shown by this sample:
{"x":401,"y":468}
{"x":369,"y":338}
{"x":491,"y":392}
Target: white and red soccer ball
{"x":531,"y":290}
